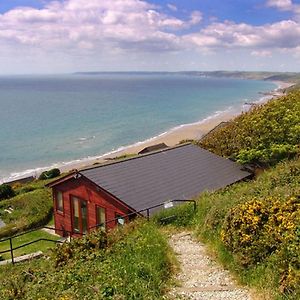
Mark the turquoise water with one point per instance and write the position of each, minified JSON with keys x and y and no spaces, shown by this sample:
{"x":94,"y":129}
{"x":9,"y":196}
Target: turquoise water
{"x":54,"y":119}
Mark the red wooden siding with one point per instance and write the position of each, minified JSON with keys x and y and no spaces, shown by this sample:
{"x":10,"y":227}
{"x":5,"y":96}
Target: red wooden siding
{"x":85,"y":190}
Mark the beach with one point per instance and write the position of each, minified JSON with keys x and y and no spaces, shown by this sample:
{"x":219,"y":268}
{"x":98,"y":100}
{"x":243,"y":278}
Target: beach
{"x":171,"y":138}
{"x":72,"y":140}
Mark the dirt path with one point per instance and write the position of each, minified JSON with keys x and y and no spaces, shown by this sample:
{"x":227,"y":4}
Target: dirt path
{"x":200,"y":276}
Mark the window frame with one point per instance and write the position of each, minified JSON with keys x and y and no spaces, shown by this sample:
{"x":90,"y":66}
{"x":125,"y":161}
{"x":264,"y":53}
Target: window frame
{"x":80,"y":200}
{"x":62,"y":212}
{"x":97,"y":219}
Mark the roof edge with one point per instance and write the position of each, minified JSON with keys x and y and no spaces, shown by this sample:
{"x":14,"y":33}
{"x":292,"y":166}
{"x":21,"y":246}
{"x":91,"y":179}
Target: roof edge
{"x":135,"y":157}
{"x":62,"y":179}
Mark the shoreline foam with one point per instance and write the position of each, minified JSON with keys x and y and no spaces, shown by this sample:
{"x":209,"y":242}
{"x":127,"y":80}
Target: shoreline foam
{"x":170,"y":137}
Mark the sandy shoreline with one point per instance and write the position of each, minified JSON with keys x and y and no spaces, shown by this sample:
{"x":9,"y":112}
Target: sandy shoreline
{"x":171,"y":138}
{"x":184,"y":132}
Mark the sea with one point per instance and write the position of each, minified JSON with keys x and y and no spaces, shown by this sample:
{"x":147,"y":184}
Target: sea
{"x":52,"y":121}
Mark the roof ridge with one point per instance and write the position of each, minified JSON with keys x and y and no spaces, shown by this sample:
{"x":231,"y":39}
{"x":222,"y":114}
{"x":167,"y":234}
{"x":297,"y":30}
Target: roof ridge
{"x":135,"y":157}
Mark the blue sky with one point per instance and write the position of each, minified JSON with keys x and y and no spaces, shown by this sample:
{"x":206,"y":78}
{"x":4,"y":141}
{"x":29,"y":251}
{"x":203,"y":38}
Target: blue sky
{"x":39,"y":36}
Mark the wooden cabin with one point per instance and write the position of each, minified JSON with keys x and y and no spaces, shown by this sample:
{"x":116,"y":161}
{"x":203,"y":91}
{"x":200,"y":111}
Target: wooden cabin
{"x":106,"y":194}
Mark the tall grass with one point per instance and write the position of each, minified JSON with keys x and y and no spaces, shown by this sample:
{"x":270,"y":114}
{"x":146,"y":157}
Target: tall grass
{"x":30,"y":210}
{"x":273,"y":188}
{"x":135,"y":264}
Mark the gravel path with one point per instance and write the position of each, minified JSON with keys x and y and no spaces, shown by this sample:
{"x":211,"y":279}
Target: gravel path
{"x":200,"y":276}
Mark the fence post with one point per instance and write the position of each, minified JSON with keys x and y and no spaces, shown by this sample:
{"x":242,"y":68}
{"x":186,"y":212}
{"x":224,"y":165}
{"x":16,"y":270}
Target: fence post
{"x":195,"y":205}
{"x":11,"y":251}
{"x":148,"y":214}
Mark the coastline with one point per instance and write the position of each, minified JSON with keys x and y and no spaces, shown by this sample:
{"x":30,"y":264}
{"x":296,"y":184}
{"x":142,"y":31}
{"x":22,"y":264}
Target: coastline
{"x":170,"y":138}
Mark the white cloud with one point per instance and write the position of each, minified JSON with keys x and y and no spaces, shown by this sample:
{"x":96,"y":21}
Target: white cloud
{"x":280,"y":4}
{"x":172,"y":7}
{"x":88,"y":24}
{"x":285,"y":5}
{"x":113,"y":31}
{"x":284,"y":34}
{"x":196,"y":17}
{"x":261,"y":53}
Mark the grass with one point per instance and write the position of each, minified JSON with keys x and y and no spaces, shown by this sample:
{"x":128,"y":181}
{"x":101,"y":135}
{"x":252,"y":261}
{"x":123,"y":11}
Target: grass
{"x":136,"y":264}
{"x":262,"y":136}
{"x":268,"y":275}
{"x":31,"y":186}
{"x":28,"y":237}
{"x":30,"y":210}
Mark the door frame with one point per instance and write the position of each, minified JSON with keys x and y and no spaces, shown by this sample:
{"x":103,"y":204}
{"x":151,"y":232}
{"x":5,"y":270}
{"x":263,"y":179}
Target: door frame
{"x":80,"y":200}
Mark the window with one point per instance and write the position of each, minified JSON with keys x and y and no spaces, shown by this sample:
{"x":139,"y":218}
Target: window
{"x":59,"y":201}
{"x":101,"y":216}
{"x":79,"y":215}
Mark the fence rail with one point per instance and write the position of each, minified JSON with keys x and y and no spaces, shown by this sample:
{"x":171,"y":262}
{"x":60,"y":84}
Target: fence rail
{"x":70,"y":233}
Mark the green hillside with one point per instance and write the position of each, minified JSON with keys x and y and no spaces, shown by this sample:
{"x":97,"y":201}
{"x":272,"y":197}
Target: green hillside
{"x":263,"y":136}
{"x":253,"y":227}
{"x":133,"y":262}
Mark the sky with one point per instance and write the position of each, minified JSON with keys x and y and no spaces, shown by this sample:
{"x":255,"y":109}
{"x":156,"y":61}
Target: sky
{"x":63,"y":36}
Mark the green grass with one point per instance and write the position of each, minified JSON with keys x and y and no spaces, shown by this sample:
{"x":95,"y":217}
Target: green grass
{"x":263,"y":136}
{"x":31,"y":186}
{"x":30,"y":210}
{"x":278,"y":183}
{"x":136,"y":264}
{"x":28,"y":237}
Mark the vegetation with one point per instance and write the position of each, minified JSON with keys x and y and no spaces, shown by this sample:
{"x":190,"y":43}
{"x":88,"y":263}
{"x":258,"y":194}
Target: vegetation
{"x":6,"y":191}
{"x":254,"y":227}
{"x":25,"y":211}
{"x":133,"y":262}
{"x":49,"y":174}
{"x":263,"y":136}
{"x":26,"y":238}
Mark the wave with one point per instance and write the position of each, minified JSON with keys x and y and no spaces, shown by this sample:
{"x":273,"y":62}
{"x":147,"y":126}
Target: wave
{"x":232,"y":111}
{"x":72,"y":163}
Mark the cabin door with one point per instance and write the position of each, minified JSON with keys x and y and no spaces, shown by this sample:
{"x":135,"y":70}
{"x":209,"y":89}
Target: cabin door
{"x":79,"y":215}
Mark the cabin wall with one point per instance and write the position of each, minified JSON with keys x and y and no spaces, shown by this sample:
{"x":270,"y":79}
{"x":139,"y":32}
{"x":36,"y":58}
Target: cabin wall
{"x":85,"y":190}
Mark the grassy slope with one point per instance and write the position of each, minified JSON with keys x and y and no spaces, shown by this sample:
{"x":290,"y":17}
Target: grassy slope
{"x":29,"y":237}
{"x":254,"y":227}
{"x":32,"y":207}
{"x":280,"y":183}
{"x":136,"y":265}
{"x":264,"y":135}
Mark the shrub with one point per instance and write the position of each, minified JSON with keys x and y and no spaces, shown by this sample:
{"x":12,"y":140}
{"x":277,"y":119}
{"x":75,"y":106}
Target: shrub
{"x":49,"y":174}
{"x":264,"y":135}
{"x":6,"y":191}
{"x":79,"y":247}
{"x":136,"y":266}
{"x":257,"y":230}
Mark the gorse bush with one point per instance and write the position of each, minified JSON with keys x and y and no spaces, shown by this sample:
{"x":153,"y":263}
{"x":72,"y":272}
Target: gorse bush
{"x":6,"y":191}
{"x":264,"y":135}
{"x":255,"y":230}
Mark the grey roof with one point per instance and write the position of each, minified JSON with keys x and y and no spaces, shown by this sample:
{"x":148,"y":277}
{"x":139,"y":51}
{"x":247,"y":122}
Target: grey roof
{"x":181,"y":172}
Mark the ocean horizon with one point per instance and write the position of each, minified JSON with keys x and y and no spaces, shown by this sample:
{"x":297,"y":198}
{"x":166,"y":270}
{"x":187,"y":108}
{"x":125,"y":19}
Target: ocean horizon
{"x":56,"y":120}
